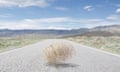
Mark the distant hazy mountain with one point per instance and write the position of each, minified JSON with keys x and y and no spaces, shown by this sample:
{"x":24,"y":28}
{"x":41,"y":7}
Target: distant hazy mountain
{"x":97,"y":31}
{"x":111,"y":30}
{"x":108,"y":30}
{"x":48,"y":33}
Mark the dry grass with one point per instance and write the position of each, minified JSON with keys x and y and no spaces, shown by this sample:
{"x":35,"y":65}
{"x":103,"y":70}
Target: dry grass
{"x":110,"y":44}
{"x":9,"y":43}
{"x":58,"y":52}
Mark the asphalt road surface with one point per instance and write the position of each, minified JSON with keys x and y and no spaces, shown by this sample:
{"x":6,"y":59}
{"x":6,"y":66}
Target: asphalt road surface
{"x":31,"y":59}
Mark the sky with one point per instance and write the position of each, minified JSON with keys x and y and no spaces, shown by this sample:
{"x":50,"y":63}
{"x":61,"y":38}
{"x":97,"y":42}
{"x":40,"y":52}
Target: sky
{"x":58,"y":14}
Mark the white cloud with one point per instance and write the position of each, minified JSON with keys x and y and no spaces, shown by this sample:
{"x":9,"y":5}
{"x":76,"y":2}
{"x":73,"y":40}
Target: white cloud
{"x":24,"y":3}
{"x":113,"y":17}
{"x":92,"y":20}
{"x":88,"y":8}
{"x":35,"y":23}
{"x":61,"y":8}
{"x":58,"y":28}
{"x":56,"y":23}
{"x":118,"y":10}
{"x":48,"y":20}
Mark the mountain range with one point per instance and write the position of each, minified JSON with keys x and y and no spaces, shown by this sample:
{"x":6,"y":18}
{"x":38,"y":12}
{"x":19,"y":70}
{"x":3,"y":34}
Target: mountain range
{"x":110,"y":30}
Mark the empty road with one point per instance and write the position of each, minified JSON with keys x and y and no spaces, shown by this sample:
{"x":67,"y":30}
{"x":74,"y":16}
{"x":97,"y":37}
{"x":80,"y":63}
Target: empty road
{"x":31,"y":59}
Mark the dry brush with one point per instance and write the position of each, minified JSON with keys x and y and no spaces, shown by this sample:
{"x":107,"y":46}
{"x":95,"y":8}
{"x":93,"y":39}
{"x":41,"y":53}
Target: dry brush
{"x":58,"y":51}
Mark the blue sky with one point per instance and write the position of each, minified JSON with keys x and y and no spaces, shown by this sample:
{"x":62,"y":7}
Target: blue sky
{"x":58,"y":14}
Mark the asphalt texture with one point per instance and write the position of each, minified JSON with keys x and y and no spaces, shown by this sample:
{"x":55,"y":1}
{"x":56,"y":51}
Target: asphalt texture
{"x":31,"y":59}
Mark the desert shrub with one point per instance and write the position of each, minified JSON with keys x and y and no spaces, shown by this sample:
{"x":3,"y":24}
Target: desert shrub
{"x":58,"y":52}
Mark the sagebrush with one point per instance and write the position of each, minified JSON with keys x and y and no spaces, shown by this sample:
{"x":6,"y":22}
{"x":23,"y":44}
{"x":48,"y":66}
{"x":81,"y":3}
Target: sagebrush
{"x":58,"y":52}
